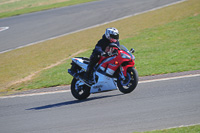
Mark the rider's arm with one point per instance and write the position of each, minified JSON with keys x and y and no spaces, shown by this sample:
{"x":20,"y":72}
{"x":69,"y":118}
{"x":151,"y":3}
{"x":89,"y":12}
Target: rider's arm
{"x":98,"y":50}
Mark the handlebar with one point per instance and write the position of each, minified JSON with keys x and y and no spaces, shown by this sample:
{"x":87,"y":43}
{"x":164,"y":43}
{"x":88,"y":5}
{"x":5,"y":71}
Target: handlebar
{"x":115,"y":52}
{"x":114,"y":45}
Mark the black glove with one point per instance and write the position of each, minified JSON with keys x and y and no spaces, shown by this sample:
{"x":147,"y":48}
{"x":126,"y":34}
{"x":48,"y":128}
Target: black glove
{"x":106,"y":54}
{"x":115,"y":52}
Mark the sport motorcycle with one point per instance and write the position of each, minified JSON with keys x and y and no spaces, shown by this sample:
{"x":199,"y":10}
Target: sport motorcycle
{"x":116,"y":71}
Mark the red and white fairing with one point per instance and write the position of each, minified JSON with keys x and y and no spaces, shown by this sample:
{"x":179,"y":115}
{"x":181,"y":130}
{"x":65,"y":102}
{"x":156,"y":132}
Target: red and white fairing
{"x":111,"y":64}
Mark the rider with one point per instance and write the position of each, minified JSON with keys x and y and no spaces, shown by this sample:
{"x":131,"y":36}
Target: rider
{"x":111,"y":36}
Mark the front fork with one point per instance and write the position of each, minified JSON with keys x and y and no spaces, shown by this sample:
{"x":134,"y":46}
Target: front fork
{"x":121,"y":74}
{"x":123,"y":70}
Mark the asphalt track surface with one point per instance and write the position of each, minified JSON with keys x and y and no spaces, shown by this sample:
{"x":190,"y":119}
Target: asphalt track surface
{"x":154,"y":104}
{"x":157,"y":104}
{"x":30,"y":28}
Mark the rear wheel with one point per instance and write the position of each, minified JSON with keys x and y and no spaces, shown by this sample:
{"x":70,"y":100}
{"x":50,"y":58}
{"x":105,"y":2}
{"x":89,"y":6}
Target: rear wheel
{"x":130,"y":82}
{"x":79,"y":90}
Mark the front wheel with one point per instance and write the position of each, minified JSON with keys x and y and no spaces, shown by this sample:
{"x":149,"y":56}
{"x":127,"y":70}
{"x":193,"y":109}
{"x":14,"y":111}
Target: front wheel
{"x":79,"y":90}
{"x":130,"y":82}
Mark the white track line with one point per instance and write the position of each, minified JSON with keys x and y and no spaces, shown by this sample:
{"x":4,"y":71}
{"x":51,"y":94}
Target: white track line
{"x":3,"y":28}
{"x":171,"y":78}
{"x":96,"y":25}
{"x":177,"y":127}
{"x":64,"y":91}
{"x":35,"y":94}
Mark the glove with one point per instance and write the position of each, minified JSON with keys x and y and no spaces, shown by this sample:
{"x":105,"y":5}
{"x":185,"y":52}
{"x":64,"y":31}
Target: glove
{"x":109,"y":53}
{"x":115,"y":52}
{"x":106,"y":54}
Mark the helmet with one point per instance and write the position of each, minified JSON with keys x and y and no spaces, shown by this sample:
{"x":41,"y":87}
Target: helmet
{"x":112,"y":34}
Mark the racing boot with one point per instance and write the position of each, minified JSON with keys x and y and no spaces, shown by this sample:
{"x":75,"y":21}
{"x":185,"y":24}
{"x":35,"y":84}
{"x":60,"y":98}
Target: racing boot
{"x":89,"y":75}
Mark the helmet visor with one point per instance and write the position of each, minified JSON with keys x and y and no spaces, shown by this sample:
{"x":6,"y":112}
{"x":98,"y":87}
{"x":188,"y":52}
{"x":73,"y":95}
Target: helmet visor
{"x":114,"y":36}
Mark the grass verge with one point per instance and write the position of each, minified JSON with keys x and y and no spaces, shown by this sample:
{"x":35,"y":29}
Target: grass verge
{"x":173,"y":47}
{"x":189,"y":129}
{"x":165,"y":40}
{"x":10,"y":8}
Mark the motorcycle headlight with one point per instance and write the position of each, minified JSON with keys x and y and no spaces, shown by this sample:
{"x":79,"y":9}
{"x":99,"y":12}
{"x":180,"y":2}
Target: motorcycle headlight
{"x":125,"y":56}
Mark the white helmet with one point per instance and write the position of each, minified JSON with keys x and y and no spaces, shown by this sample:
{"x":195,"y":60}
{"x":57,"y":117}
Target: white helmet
{"x":112,"y":34}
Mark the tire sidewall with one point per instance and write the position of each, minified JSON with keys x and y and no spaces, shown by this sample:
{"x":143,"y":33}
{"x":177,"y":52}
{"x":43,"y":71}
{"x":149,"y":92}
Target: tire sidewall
{"x":83,"y":96}
{"x":135,"y":81}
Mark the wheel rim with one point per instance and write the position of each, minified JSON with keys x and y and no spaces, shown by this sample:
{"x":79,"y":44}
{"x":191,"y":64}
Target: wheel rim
{"x":126,"y":83}
{"x":79,"y":88}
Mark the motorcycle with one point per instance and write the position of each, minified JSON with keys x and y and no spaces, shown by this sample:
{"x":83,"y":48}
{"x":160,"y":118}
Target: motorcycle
{"x":116,"y":71}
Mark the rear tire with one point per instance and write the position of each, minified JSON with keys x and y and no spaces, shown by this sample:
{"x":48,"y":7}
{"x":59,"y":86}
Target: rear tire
{"x":130,"y":83}
{"x":80,"y":92}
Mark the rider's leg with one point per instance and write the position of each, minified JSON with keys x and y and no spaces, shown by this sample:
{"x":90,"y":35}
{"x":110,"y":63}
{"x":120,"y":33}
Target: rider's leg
{"x":93,"y":61}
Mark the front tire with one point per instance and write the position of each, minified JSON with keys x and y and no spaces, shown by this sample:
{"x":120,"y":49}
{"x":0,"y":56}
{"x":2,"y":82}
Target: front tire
{"x":79,"y":91}
{"x":130,"y":83}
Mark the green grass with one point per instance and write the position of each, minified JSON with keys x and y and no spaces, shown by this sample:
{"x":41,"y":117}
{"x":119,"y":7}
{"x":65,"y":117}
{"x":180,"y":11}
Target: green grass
{"x":51,"y":77}
{"x":17,"y":7}
{"x":189,"y":129}
{"x":56,"y":76}
{"x":173,"y":47}
{"x":148,"y":33}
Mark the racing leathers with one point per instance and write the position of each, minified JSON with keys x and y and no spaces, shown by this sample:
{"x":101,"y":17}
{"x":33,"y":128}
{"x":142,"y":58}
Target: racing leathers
{"x":96,"y":54}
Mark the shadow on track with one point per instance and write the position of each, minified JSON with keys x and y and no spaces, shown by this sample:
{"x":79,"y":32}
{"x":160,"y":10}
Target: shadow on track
{"x":70,"y":102}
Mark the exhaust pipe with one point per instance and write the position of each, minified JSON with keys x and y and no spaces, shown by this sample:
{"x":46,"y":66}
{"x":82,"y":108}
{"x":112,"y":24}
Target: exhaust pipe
{"x":75,"y":75}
